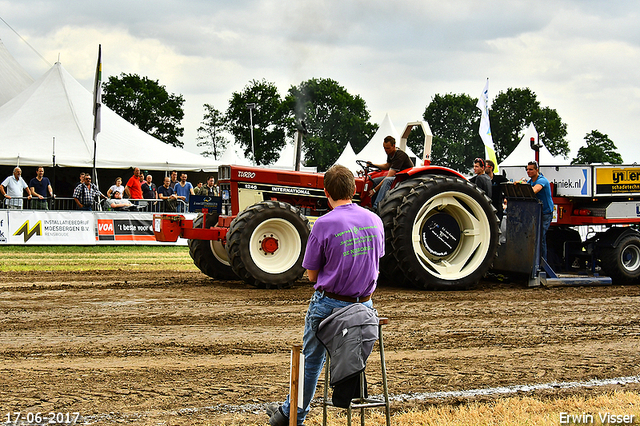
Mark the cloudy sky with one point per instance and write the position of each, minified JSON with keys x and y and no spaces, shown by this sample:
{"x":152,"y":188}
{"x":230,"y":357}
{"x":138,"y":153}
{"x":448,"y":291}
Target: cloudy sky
{"x":581,"y":57}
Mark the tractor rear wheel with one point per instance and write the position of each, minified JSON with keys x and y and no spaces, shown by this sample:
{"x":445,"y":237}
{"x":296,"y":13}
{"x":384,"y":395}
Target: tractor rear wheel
{"x":445,"y":233}
{"x":390,"y":273}
{"x":210,"y":256}
{"x":622,"y":262}
{"x":266,"y":244}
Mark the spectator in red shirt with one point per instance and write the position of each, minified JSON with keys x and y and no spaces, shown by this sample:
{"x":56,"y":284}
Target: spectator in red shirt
{"x":133,"y":189}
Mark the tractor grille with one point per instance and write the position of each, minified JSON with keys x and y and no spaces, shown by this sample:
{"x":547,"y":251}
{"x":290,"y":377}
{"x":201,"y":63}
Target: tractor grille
{"x":225,"y":193}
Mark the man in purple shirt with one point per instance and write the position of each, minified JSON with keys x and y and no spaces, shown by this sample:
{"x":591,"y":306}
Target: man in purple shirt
{"x":342,"y":256}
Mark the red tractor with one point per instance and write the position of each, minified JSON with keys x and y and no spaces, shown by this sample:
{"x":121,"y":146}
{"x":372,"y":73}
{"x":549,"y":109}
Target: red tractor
{"x":441,"y":231}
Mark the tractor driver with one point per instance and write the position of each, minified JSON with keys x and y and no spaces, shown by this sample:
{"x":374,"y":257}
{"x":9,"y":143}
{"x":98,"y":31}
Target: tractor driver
{"x":397,"y":160}
{"x":345,"y":270}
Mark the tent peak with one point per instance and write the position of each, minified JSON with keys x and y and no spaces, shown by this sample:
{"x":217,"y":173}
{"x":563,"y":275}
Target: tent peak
{"x":64,"y":108}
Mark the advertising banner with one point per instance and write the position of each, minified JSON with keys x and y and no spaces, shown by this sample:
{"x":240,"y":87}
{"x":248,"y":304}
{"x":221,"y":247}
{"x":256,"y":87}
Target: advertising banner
{"x":123,"y":226}
{"x":126,"y":228}
{"x":46,"y":227}
{"x":617,"y":180}
{"x":568,"y":181}
{"x":37,"y":227}
{"x":4,"y":227}
{"x":199,"y":202}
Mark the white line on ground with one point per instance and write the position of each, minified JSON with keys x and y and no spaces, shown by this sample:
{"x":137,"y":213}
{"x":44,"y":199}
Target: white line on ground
{"x":515,"y":389}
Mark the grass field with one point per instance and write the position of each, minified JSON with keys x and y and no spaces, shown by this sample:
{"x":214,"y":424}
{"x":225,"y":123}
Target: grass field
{"x":518,"y":411}
{"x":521,"y":410}
{"x":82,"y":258}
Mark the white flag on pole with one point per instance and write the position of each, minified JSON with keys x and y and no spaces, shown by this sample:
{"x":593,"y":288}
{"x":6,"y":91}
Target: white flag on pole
{"x":485,"y":126}
{"x":97,"y":96}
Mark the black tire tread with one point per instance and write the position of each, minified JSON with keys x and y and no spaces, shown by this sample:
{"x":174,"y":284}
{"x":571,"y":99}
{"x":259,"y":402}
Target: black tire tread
{"x":609,"y":258}
{"x":390,"y":272}
{"x":245,"y":222}
{"x":204,"y":259}
{"x":403,"y":251}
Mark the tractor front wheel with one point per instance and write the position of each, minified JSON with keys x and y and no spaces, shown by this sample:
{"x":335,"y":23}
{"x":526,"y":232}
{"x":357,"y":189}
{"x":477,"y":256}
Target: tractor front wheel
{"x":266,"y":244}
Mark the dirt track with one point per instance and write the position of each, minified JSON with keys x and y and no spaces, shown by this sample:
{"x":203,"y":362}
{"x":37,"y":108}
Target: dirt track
{"x":182,"y":349}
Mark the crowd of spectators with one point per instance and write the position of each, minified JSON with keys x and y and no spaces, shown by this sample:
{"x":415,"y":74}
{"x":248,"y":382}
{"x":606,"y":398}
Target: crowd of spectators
{"x":139,"y":192}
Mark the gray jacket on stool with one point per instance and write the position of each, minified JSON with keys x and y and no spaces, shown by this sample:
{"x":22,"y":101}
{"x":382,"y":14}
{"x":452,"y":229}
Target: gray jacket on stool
{"x":349,"y":334}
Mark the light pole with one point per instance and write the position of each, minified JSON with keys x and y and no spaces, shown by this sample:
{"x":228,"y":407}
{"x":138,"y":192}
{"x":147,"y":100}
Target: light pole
{"x":251,"y":106}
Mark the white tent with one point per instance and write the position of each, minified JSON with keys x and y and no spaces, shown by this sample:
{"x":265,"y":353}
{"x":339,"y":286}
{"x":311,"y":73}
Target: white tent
{"x":13,"y":78}
{"x":57,"y":106}
{"x":234,"y":155}
{"x":287,"y":159}
{"x":348,"y":159}
{"x":523,"y":153}
{"x":373,"y":151}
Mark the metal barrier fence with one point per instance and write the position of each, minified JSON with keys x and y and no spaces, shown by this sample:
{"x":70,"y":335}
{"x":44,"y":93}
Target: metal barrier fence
{"x":66,"y":203}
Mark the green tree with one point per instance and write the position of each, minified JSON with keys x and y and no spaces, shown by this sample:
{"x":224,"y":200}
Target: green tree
{"x":270,"y":121}
{"x":599,"y":149}
{"x":147,"y":105}
{"x":454,"y":122}
{"x":513,"y":110}
{"x":210,"y":132}
{"x":332,"y":116}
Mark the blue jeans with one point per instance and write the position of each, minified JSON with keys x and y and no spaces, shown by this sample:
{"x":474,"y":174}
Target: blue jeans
{"x":320,"y":307}
{"x":546,"y":221}
{"x":384,"y":188}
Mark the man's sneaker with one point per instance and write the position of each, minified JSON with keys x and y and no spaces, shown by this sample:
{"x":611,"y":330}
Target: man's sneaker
{"x":276,"y":417}
{"x":272,"y":407}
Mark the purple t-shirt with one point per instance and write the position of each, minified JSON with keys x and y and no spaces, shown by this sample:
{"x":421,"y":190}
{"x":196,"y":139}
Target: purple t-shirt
{"x":345,"y":246}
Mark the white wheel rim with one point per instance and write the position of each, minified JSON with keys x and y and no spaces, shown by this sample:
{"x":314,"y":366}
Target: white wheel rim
{"x":630,"y":257}
{"x":220,"y":252}
{"x":475,"y":238}
{"x":289,"y":246}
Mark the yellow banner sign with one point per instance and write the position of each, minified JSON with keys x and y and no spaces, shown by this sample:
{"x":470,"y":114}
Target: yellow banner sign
{"x":620,"y":180}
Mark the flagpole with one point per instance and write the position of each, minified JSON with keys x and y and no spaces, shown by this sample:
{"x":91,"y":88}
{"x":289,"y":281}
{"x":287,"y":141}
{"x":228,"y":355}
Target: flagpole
{"x":97,"y":103}
{"x":485,"y":126}
{"x":54,"y":165}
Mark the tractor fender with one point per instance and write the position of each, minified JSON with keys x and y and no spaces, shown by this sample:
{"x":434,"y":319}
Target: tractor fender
{"x":425,"y":171}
